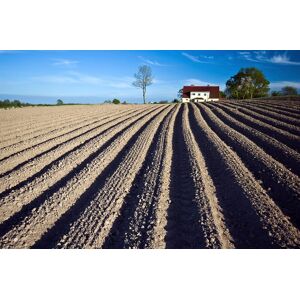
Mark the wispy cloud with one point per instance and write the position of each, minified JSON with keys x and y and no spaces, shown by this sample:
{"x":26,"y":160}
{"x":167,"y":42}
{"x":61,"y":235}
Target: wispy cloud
{"x":281,"y":84}
{"x":151,"y":62}
{"x":120,"y":82}
{"x":247,"y":55}
{"x":283,"y":59}
{"x":57,"y":79}
{"x":69,"y":77}
{"x":64,"y":62}
{"x":72,"y":77}
{"x":262,"y":57}
{"x":198,"y":59}
{"x":195,"y":81}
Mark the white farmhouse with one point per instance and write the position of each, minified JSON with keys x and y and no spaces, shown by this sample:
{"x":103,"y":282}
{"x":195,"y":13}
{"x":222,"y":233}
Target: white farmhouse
{"x":195,"y":93}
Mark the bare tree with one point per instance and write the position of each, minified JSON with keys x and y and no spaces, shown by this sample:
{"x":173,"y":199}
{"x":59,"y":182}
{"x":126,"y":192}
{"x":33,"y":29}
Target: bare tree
{"x":180,"y":94}
{"x":143,"y":79}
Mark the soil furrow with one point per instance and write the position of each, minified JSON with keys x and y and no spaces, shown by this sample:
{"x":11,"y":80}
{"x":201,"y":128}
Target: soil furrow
{"x":276,"y":110}
{"x":285,"y":107}
{"x":275,"y":116}
{"x":221,"y":174}
{"x":16,"y":130}
{"x":284,"y":137}
{"x":135,"y":222}
{"x":158,"y":232}
{"x":49,"y":177}
{"x":96,"y":220}
{"x":38,"y":220}
{"x":41,"y":134}
{"x":16,"y":135}
{"x":28,"y":168}
{"x":282,"y":185}
{"x":194,"y":217}
{"x":12,"y":162}
{"x":271,"y":121}
{"x":59,"y":120}
{"x":287,"y":156}
{"x":253,"y":220}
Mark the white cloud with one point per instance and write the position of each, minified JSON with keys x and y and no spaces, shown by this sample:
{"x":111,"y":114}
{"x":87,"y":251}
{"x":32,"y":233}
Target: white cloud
{"x":248,"y":56}
{"x":261,"y":56}
{"x":281,"y":84}
{"x":151,"y":62}
{"x":197,"y":58}
{"x":283,"y":59}
{"x":64,"y":62}
{"x":157,"y":81}
{"x":194,"y":81}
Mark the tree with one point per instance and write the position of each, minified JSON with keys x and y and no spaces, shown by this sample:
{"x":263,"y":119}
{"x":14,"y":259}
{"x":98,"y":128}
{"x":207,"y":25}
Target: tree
{"x":176,"y":101}
{"x":180,"y":94}
{"x":116,"y":101}
{"x":16,"y":103}
{"x":275,"y":93}
{"x":59,"y":102}
{"x":247,"y":83}
{"x":107,"y":101}
{"x":222,"y":95}
{"x":288,"y":91}
{"x":143,"y":79}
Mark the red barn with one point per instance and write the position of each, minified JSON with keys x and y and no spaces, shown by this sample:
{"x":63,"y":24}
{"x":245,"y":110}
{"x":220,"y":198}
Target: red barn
{"x":193,"y":93}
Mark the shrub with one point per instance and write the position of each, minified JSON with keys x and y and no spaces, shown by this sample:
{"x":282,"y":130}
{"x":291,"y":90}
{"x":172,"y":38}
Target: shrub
{"x":275,"y":93}
{"x":116,"y":101}
{"x":289,"y":90}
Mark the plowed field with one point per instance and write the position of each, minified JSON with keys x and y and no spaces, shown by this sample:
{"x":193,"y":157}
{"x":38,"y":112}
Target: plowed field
{"x":213,"y":175}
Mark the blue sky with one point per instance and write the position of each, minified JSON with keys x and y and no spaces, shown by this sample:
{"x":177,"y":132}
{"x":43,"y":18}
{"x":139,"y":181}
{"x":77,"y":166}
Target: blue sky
{"x":94,"y":76}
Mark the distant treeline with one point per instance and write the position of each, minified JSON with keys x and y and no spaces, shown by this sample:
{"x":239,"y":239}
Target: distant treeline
{"x":12,"y":103}
{"x":17,"y":103}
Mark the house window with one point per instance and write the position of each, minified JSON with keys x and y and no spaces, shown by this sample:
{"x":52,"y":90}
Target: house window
{"x":205,"y":94}
{"x":199,"y":94}
{"x":193,"y":93}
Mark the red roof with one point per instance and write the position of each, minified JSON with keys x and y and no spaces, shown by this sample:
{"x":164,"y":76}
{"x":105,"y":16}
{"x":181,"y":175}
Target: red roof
{"x":214,"y":90}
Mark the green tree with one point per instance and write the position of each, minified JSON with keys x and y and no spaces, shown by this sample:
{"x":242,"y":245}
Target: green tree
{"x":222,"y":94}
{"x":288,"y":91}
{"x":59,"y":102}
{"x":176,"y":101}
{"x":275,"y":93}
{"x":247,"y":83}
{"x":143,"y":78}
{"x":17,"y":103}
{"x":116,"y":101}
